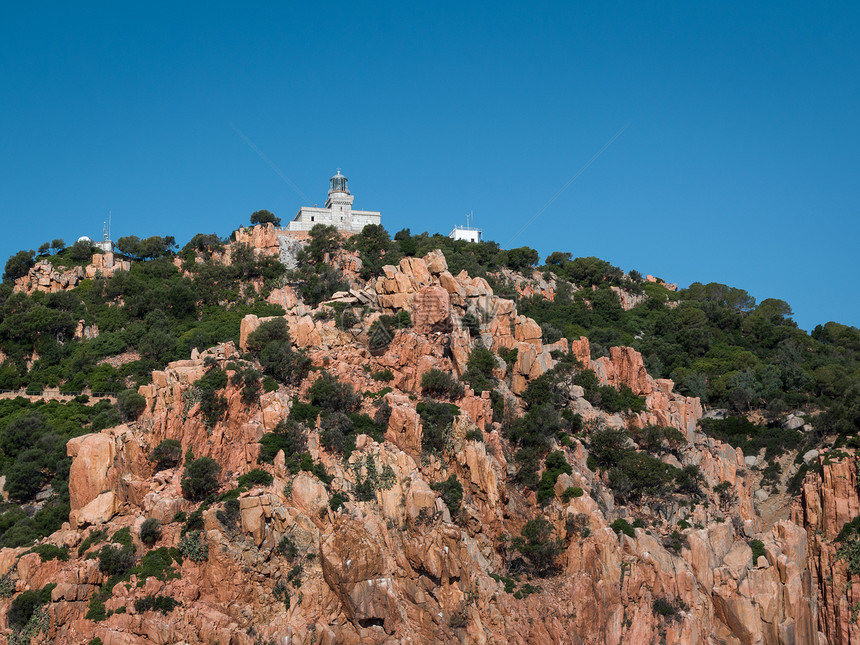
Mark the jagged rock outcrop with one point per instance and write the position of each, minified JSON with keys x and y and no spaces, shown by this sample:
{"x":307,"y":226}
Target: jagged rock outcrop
{"x":43,"y":276}
{"x":670,"y":287}
{"x":332,"y":559}
{"x":628,"y":299}
{"x":263,"y":239}
{"x":624,"y":366}
{"x":828,"y":499}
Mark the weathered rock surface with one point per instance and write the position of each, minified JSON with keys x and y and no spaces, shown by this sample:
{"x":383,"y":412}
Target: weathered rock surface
{"x":44,"y":277}
{"x":826,"y":502}
{"x":306,"y":561}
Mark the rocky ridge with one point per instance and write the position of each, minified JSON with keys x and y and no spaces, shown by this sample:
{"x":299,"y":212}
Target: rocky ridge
{"x":397,"y":568}
{"x":43,"y":276}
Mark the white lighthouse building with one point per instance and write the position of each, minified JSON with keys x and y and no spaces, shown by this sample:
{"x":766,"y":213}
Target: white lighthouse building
{"x":338,"y":211}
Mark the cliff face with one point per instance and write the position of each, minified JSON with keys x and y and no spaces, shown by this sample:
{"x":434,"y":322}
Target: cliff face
{"x":826,"y":502}
{"x":400,"y":567}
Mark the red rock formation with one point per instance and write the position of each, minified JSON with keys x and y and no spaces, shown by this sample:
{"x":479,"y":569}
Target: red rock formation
{"x":44,"y":277}
{"x":670,"y":287}
{"x":395,"y":564}
{"x":628,"y":299}
{"x":826,"y":502}
{"x":263,"y":239}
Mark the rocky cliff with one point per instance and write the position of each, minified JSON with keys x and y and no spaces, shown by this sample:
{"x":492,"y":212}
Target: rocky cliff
{"x":43,"y":276}
{"x":828,"y":499}
{"x":401,"y":566}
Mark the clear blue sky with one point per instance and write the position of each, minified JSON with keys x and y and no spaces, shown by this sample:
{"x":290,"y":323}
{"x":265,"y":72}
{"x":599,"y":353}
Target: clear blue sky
{"x":739,"y":164}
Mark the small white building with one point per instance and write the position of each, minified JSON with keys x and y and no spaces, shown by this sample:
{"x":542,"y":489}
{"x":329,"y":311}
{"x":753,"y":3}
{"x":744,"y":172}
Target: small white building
{"x":338,"y":211}
{"x":467,"y":233}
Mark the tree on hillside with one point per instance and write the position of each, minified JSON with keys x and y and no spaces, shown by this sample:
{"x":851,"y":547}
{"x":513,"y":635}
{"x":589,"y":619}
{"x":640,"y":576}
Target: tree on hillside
{"x":324,"y":240}
{"x":146,"y":249}
{"x":205,"y":243}
{"x":200,"y":478}
{"x":58,"y":245}
{"x":375,"y":249}
{"x":520,"y":258}
{"x":81,"y":251}
{"x":265,"y":217}
{"x":18,"y":265}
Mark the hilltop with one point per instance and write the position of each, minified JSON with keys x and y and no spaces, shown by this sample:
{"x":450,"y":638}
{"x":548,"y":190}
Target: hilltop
{"x":413,"y":439}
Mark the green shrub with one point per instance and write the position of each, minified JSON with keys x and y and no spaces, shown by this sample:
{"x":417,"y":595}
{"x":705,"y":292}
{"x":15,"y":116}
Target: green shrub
{"x":509,"y":356}
{"x":537,"y":427}
{"x":114,"y":561}
{"x":368,"y":479}
{"x":538,"y":544}
{"x":623,"y":526}
{"x":7,"y":585}
{"x":451,"y":491}
{"x":571,"y":492}
{"x":337,"y":433}
{"x":106,"y":419}
{"x":482,"y":361}
{"x":689,"y":480}
{"x":164,"y":604}
{"x":200,"y":478}
{"x":157,"y":564}
{"x":555,"y":465}
{"x":741,"y":433}
{"x":150,"y":531}
{"x":332,"y":395}
{"x":18,"y":265}
{"x":638,"y":474}
{"x":230,"y":516}
{"x":130,"y":404}
{"x":724,"y":492}
{"x":191,"y":546}
{"x":167,"y":454}
{"x":25,"y":604}
{"x":437,"y":419}
{"x":471,"y":322}
{"x":437,"y":383}
{"x":664,"y":607}
{"x":757,"y":547}
{"x":337,"y":501}
{"x":577,"y":525}
{"x":303,"y":412}
{"x":248,"y":381}
{"x":272,"y":345}
{"x":288,"y":435}
{"x":255,"y":477}
{"x":96,"y":610}
{"x":213,"y":407}
{"x":385,"y":376}
{"x":675,"y":541}
{"x":849,"y":529}
{"x":93,"y":538}
{"x":51,"y":552}
{"x":287,"y":548}
{"x":475,"y":435}
{"x":123,"y":537}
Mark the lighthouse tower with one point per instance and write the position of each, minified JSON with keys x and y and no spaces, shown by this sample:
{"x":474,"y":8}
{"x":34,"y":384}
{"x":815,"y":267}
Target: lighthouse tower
{"x":338,"y":211}
{"x":340,"y":202}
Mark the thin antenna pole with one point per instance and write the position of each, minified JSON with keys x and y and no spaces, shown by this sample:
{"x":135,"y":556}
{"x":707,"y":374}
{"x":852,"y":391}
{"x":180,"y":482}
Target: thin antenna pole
{"x":109,"y":223}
